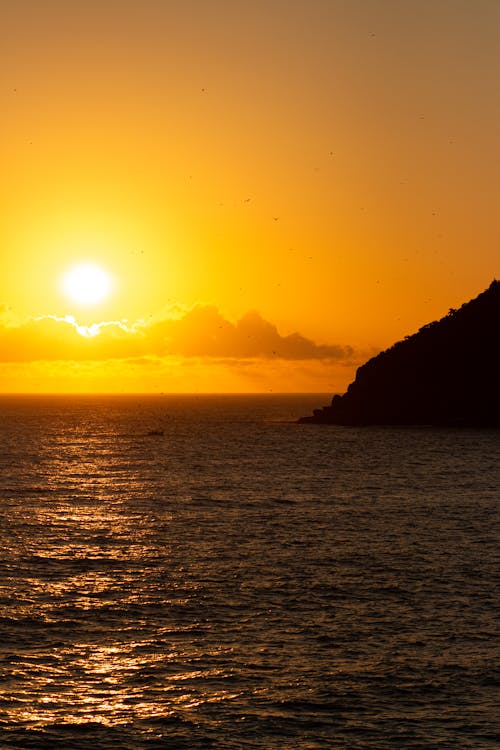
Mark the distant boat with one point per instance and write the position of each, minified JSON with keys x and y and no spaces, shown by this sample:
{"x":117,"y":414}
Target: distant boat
{"x":155,"y":433}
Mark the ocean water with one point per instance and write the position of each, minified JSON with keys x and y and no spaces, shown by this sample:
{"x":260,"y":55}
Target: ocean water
{"x":241,"y":581}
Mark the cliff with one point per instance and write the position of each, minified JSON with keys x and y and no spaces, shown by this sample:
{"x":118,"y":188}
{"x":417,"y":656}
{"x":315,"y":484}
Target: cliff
{"x":448,"y":373}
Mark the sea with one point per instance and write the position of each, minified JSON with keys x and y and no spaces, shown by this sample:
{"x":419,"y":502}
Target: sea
{"x":194,"y":571}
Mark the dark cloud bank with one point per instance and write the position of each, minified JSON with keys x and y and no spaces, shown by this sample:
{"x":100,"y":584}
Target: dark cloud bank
{"x":200,"y":332}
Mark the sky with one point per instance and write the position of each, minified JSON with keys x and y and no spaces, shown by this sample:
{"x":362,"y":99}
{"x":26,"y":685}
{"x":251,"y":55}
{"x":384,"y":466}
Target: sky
{"x":276,"y":190}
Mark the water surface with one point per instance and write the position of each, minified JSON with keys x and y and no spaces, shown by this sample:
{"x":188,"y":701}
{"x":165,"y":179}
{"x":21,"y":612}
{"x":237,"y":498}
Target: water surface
{"x":241,"y":581}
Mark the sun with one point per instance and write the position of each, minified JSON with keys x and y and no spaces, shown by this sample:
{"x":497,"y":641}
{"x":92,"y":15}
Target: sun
{"x":87,"y":284}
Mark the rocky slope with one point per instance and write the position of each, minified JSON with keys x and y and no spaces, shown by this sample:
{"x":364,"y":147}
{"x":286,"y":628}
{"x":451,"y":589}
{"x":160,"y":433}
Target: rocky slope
{"x":446,"y":374}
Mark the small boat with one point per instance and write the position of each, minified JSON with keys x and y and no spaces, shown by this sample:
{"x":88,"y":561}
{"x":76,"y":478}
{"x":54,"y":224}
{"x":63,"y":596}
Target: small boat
{"x":155,"y":433}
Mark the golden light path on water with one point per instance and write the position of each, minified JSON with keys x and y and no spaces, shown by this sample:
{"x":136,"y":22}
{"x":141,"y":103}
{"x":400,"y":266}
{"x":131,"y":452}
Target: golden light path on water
{"x":170,"y":590}
{"x":91,"y":682}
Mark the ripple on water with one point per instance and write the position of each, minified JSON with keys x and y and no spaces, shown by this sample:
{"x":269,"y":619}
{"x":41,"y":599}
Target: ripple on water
{"x":244,"y":582}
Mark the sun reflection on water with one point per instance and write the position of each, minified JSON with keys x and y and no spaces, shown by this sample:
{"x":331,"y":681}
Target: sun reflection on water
{"x":95,"y":683}
{"x":162,"y":590}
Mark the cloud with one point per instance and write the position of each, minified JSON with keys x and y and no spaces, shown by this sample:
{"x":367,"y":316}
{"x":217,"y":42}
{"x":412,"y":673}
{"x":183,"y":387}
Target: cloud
{"x":201,"y":332}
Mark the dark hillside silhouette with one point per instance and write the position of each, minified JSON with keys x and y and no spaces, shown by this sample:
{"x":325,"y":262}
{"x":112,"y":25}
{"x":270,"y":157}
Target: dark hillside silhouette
{"x":446,"y":374}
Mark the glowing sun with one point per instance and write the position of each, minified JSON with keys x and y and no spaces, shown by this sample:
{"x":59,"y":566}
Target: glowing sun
{"x":87,"y":284}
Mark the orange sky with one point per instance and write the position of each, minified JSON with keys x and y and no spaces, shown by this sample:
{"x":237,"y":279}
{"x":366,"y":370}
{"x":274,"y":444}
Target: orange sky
{"x":331,"y":166}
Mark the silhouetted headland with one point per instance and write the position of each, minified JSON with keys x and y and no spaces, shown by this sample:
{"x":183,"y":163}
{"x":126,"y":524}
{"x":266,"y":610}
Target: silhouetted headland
{"x":448,"y":373}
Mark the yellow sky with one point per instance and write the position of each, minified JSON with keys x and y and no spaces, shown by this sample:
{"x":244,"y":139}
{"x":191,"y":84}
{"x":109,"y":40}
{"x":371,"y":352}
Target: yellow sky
{"x":332,"y":165}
